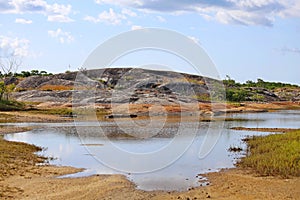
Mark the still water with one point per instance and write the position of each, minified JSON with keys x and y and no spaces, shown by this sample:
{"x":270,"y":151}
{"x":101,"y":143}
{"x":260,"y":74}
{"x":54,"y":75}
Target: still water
{"x":205,"y":150}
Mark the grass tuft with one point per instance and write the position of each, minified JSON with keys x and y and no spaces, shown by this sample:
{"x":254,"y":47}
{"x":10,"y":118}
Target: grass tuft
{"x":6,"y":105}
{"x":274,"y":155}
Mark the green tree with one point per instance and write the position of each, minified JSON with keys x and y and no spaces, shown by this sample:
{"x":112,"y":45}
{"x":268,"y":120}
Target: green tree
{"x":9,"y":89}
{"x":34,"y":72}
{"x":228,"y":82}
{"x":25,"y":74}
{"x":2,"y":89}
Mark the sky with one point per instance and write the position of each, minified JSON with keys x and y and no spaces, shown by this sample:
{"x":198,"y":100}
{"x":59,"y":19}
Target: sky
{"x":246,"y":39}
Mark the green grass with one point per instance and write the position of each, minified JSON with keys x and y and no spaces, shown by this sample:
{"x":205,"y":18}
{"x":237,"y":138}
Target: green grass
{"x":6,"y":105}
{"x":274,"y":155}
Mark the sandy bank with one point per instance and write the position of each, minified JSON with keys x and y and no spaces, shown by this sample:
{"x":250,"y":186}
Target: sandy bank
{"x":228,"y":184}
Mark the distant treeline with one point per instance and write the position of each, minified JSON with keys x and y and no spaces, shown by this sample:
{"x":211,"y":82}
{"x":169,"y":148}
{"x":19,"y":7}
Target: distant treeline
{"x":238,"y":92}
{"x":26,"y":74}
{"x":228,"y":82}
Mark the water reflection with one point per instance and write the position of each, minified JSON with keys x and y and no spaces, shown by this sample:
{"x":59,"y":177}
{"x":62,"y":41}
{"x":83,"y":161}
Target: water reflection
{"x":63,"y":144}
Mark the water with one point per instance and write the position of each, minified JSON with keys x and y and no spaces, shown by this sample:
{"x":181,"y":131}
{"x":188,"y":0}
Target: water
{"x":90,"y":150}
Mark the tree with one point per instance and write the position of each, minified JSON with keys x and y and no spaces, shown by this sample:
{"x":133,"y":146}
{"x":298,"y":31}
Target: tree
{"x":34,"y":72}
{"x":9,"y":89}
{"x":2,"y":89}
{"x":260,"y":83}
{"x":25,"y":74}
{"x":228,"y":82}
{"x":43,"y":73}
{"x":9,"y":65}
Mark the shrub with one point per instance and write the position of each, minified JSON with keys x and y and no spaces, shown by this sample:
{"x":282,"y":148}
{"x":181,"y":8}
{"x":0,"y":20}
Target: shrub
{"x":236,"y":94}
{"x":6,"y":105}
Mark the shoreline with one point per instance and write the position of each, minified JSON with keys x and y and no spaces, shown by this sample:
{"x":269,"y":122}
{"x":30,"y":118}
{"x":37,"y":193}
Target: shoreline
{"x":41,"y":182}
{"x":207,"y":110}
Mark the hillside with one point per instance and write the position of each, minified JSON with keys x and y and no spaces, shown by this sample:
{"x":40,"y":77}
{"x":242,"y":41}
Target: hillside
{"x":141,"y":86}
{"x":114,"y":86}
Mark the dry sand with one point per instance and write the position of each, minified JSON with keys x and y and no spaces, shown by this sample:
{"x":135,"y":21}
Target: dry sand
{"x":228,"y":184}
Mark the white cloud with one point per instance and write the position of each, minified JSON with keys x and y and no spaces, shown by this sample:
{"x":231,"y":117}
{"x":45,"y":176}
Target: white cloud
{"x":54,"y":12}
{"x":292,"y":11}
{"x":59,"y":13}
{"x":61,"y":36}
{"x":124,"y":2}
{"x":161,"y":19}
{"x":136,"y":27}
{"x":23,"y":21}
{"x":13,"y":46}
{"x":91,"y":19}
{"x":245,"y":12}
{"x":110,"y":17}
{"x":59,"y":18}
{"x":128,"y":12}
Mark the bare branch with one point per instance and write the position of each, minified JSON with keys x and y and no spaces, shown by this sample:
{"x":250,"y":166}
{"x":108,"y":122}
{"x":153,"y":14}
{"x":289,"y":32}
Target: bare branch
{"x":10,"y":64}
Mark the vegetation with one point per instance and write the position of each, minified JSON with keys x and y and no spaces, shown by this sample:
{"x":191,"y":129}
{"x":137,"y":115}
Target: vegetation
{"x":25,"y":74}
{"x":2,"y":89}
{"x":55,"y":87}
{"x":7,"y":105}
{"x":235,"y":149}
{"x":229,"y":83}
{"x":274,"y":155}
{"x":268,"y":85}
{"x":6,"y":90}
{"x":237,"y":92}
{"x":54,"y":111}
{"x":202,"y":97}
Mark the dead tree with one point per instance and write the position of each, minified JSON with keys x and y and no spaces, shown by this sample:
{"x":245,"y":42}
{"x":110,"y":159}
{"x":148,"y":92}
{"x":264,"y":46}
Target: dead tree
{"x":8,"y":66}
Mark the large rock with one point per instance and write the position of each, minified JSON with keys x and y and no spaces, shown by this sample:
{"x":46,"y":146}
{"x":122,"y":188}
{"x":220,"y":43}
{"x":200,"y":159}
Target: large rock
{"x":119,"y":85}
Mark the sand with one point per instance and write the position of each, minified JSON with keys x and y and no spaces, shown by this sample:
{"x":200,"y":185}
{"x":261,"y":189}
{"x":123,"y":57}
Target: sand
{"x":228,"y":184}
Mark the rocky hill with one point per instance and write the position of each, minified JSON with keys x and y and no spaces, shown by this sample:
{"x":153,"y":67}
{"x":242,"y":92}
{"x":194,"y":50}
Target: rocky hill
{"x":139,"y":86}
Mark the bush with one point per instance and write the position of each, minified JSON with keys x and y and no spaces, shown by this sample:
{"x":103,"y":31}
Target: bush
{"x":236,"y":95}
{"x":6,"y":105}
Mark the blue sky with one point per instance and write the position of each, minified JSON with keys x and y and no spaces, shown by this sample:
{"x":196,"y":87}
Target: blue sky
{"x":246,"y":39}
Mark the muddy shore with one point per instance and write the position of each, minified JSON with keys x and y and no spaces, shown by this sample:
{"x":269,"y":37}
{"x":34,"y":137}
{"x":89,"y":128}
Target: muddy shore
{"x":206,"y":110}
{"x":41,"y":183}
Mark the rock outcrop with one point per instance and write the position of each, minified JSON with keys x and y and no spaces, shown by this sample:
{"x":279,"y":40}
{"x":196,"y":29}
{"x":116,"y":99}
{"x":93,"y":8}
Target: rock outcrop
{"x":131,"y":85}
